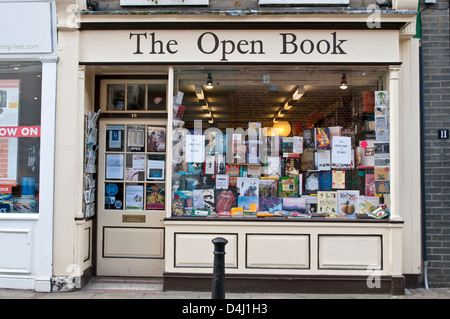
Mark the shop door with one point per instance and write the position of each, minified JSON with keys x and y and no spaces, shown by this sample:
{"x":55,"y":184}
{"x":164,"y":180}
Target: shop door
{"x":131,"y":205}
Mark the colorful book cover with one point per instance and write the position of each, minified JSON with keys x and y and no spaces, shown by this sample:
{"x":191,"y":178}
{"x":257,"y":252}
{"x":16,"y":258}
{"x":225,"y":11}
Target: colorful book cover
{"x":268,"y":187}
{"x":155,"y":196}
{"x":367,"y":204}
{"x":347,"y":201}
{"x":325,"y":181}
{"x":291,"y":167}
{"x":288,"y":187}
{"x":288,"y":146}
{"x":270,"y":204}
{"x":225,"y":199}
{"x":232,"y":171}
{"x":322,"y":138}
{"x":297,"y":204}
{"x":327,"y":202}
{"x":247,"y":186}
{"x":369,"y":185}
{"x":248,"y":202}
{"x":187,"y":196}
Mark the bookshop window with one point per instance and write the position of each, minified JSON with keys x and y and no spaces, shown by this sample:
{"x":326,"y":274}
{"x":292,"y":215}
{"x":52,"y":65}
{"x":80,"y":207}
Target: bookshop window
{"x":281,"y":142}
{"x":20,"y":120}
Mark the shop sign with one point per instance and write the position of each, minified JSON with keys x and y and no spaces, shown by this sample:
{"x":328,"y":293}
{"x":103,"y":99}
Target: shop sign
{"x":18,"y":37}
{"x":20,"y":131}
{"x":251,"y":46}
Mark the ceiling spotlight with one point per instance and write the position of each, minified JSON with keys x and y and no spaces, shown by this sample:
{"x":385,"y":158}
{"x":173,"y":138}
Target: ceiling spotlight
{"x":209,"y":82}
{"x":343,"y":82}
{"x":298,"y":93}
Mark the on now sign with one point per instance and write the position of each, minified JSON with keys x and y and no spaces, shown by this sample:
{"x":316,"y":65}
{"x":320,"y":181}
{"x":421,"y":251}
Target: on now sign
{"x":20,"y":131}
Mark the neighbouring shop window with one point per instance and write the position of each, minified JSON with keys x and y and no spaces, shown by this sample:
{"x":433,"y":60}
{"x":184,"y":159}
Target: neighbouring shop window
{"x":287,"y":142}
{"x":20,"y":120}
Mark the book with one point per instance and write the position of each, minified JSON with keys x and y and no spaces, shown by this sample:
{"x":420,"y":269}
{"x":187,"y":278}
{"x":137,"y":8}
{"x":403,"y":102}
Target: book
{"x":367,"y":204}
{"x":254,"y":170}
{"x":297,"y":204}
{"x":382,"y":187}
{"x":198,"y":200}
{"x":322,"y":138}
{"x":248,"y":202}
{"x":208,"y":199}
{"x":270,"y":204}
{"x":369,"y":189}
{"x":327,"y":202}
{"x":334,"y":131}
{"x":225,"y":199}
{"x":347,"y":201}
{"x":288,"y":187}
{"x":210,"y":166}
{"x":368,"y":101}
{"x":232,"y":170}
{"x":309,"y":139}
{"x":338,"y":179}
{"x":311,"y":182}
{"x":273,"y":166}
{"x":156,"y":139}
{"x":297,"y":145}
{"x":381,"y":173}
{"x":323,"y":160}
{"x":291,"y":167}
{"x":247,"y":186}
{"x":325,"y":181}
{"x":307,"y":160}
{"x":155,"y":196}
{"x":287,"y":146}
{"x":268,"y":187}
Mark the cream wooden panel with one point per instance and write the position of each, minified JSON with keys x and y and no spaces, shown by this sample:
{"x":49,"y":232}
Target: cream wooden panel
{"x":15,"y":249}
{"x":278,"y":251}
{"x":133,"y":242}
{"x":87,"y":244}
{"x":350,"y":252}
{"x":197,"y":250}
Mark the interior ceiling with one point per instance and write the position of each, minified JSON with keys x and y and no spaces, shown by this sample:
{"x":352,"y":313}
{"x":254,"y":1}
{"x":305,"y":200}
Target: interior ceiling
{"x":236,"y":90}
{"x":235,"y":87}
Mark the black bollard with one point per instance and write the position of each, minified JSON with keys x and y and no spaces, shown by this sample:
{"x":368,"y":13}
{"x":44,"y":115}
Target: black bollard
{"x":218,"y":284}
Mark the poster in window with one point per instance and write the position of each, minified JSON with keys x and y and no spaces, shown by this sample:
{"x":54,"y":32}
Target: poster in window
{"x":114,"y":166}
{"x":134,"y":197}
{"x":156,"y":139}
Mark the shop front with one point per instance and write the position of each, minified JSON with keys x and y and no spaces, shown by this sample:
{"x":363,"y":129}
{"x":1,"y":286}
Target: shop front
{"x":294,"y":142}
{"x":27,"y":114}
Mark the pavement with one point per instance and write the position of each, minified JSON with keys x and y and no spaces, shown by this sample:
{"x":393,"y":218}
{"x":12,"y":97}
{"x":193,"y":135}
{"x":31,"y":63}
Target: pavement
{"x":148,"y":288}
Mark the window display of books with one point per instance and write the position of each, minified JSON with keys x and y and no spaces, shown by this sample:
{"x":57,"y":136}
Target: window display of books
{"x":324,"y":172}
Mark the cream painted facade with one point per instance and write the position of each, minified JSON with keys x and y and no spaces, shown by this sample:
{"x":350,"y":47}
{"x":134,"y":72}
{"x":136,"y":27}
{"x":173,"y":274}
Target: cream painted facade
{"x":391,"y":249}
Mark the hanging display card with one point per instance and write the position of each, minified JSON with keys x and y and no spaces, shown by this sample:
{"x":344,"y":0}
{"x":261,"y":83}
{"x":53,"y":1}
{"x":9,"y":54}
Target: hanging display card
{"x":341,"y":152}
{"x":195,"y":148}
{"x":222,"y":181}
{"x":134,"y":197}
{"x":114,"y":166}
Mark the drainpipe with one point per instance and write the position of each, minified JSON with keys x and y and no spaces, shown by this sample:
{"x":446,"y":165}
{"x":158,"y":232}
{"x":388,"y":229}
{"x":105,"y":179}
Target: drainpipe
{"x":422,"y":156}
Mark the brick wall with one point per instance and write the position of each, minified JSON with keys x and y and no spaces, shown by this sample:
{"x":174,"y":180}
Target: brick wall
{"x":436,"y":89}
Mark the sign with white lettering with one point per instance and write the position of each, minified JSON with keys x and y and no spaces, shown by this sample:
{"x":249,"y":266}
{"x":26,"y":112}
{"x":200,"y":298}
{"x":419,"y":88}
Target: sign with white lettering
{"x":251,"y":46}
